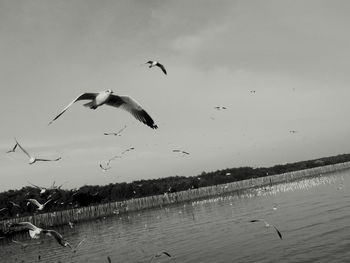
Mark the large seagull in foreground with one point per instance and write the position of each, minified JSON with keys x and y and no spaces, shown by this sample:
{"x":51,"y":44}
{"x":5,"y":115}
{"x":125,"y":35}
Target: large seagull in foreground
{"x":106,"y":97}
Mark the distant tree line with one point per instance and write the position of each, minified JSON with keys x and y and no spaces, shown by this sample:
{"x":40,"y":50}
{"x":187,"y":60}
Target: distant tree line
{"x":13,"y":203}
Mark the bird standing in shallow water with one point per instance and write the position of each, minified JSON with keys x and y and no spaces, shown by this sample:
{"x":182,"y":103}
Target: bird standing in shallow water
{"x":106,"y":97}
{"x":156,"y":64}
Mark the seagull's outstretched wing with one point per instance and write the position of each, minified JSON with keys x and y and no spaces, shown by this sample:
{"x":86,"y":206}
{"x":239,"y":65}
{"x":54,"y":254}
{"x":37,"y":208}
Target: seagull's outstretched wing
{"x":49,"y":160}
{"x":84,"y":96}
{"x":47,"y":202}
{"x":162,"y":68}
{"x":278,"y":232}
{"x":34,"y":202}
{"x":132,"y":106}
{"x":58,"y":237}
{"x":39,"y":187}
{"x":13,"y":149}
{"x":29,"y":156}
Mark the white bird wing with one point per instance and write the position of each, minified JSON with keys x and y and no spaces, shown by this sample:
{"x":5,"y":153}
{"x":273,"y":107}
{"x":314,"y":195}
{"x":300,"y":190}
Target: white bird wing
{"x":25,"y":225}
{"x":23,"y":150}
{"x":49,"y":160}
{"x":84,"y":96}
{"x":47,"y":202}
{"x":39,"y":187}
{"x":34,"y":202}
{"x":162,"y":68}
{"x":132,"y":106}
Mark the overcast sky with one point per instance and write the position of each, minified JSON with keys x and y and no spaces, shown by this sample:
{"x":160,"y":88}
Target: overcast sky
{"x":294,"y":54}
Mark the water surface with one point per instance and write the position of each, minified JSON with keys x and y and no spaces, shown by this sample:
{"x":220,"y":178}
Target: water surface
{"x":312,"y":214}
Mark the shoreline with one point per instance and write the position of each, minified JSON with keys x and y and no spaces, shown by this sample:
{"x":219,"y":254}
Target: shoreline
{"x":87,"y":213}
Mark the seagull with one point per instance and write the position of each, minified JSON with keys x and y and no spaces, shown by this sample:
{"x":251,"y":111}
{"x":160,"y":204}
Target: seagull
{"x":220,"y":108}
{"x":252,"y":91}
{"x":13,"y":149}
{"x":156,"y":64}
{"x":106,"y":97}
{"x":180,"y":151}
{"x":160,"y":254}
{"x":42,"y":189}
{"x":35,"y":202}
{"x":118,"y":133}
{"x":3,"y":209}
{"x":33,"y":159}
{"x":293,"y":131}
{"x":267,"y":225}
{"x":35,"y":232}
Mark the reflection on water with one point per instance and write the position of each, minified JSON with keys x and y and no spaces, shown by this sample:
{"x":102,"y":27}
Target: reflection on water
{"x":313,"y":216}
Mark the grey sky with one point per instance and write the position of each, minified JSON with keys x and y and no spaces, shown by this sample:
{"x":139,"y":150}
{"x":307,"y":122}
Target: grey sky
{"x":294,"y":54}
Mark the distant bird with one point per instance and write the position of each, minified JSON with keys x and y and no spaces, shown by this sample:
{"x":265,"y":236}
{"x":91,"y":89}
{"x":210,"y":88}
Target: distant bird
{"x":220,"y":108}
{"x":33,"y":159}
{"x":105,"y":169}
{"x":160,"y":254}
{"x":3,"y":209}
{"x":14,"y":204}
{"x":36,"y":203}
{"x":252,"y":91}
{"x":156,"y":64}
{"x":274,"y":207}
{"x":71,"y":224}
{"x":293,"y":131}
{"x":35,"y":232}
{"x":13,"y":149}
{"x":267,"y":225}
{"x":180,"y":151}
{"x":118,"y":133}
{"x":106,"y":97}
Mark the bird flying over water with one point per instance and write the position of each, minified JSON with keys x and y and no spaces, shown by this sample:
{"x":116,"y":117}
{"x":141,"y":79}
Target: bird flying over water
{"x":106,"y":97}
{"x":156,"y":64}
{"x":220,"y":108}
{"x":35,"y":232}
{"x":33,"y":159}
{"x":267,"y":225}
{"x":160,"y":254}
{"x":118,"y":133}
{"x":36,"y":203}
{"x":180,"y":151}
{"x":13,"y":149}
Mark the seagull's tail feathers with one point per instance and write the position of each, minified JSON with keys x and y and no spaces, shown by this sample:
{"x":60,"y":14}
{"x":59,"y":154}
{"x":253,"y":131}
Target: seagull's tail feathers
{"x":90,"y":105}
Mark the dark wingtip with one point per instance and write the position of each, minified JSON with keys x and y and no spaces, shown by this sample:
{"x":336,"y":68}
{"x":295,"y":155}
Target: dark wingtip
{"x":155,"y":127}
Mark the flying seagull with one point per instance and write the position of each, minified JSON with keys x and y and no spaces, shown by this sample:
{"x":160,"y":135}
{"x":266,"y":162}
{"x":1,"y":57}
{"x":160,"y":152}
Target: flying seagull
{"x":180,"y":151}
{"x":156,"y":64}
{"x":160,"y":254}
{"x":267,"y":225}
{"x":33,"y":159}
{"x":293,"y":131}
{"x":118,"y":133}
{"x":106,"y":97}
{"x":35,"y":232}
{"x":220,"y":108}
{"x":13,"y":149}
{"x":3,"y":209}
{"x":36,"y":203}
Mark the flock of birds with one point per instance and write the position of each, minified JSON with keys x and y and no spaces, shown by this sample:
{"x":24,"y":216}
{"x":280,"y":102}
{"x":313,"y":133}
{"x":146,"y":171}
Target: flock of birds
{"x":96,"y":100}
